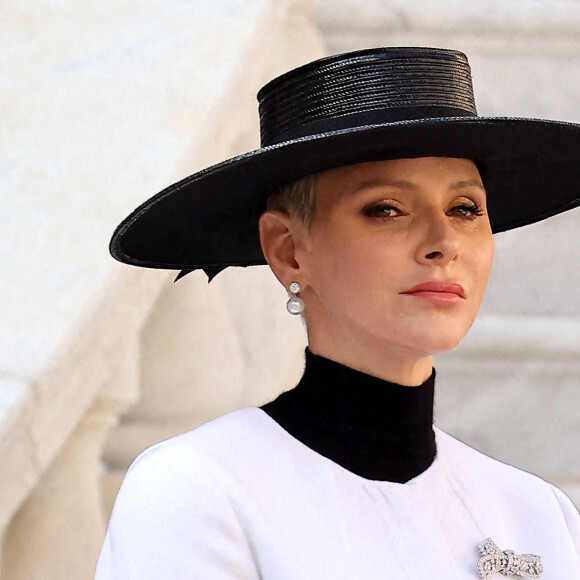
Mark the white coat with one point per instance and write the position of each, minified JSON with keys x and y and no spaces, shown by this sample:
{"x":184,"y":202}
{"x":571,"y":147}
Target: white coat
{"x":239,"y":498}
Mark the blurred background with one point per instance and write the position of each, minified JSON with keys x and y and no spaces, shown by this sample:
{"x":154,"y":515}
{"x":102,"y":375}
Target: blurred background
{"x":103,"y":104}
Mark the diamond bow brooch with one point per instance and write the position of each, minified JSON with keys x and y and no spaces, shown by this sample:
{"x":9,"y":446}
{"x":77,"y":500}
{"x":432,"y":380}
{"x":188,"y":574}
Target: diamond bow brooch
{"x":506,"y":562}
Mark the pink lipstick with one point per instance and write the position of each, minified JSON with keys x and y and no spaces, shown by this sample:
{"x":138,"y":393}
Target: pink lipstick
{"x":437,"y":290}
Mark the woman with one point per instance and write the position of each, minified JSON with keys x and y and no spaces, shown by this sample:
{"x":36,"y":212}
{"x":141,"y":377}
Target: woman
{"x":373,"y":200}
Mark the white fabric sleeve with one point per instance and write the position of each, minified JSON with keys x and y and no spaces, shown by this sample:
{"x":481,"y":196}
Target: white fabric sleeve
{"x":175,"y":519}
{"x":571,"y":516}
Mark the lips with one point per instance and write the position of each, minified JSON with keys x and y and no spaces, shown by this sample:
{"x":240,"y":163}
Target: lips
{"x":446,"y":288}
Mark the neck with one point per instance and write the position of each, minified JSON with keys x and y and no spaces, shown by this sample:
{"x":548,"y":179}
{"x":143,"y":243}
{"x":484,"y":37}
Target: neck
{"x":389,"y":362}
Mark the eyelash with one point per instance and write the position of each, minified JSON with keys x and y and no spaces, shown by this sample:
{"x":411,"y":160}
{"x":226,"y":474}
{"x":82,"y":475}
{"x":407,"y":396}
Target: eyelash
{"x":374,"y":210}
{"x":473,"y":209}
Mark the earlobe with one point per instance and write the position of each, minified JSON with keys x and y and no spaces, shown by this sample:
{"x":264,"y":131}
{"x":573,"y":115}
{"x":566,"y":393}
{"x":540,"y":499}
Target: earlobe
{"x":278,"y":240}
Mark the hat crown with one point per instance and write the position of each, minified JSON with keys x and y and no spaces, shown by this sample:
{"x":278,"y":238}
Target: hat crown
{"x":363,"y":88}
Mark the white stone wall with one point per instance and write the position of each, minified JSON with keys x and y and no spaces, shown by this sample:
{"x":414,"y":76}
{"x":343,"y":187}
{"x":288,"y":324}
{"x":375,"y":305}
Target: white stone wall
{"x":104,"y":104}
{"x":512,"y":389}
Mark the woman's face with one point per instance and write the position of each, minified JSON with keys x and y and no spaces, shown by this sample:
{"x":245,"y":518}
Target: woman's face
{"x":397,"y":255}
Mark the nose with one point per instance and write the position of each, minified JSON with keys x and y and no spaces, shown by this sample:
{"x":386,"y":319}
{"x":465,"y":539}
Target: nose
{"x":439,"y":244}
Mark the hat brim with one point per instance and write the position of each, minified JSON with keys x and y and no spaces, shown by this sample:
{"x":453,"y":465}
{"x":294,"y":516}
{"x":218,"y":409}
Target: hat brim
{"x":531,"y":171}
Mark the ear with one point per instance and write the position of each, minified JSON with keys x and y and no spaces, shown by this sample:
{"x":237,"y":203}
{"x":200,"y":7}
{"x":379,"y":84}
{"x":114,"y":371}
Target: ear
{"x":280,"y":236}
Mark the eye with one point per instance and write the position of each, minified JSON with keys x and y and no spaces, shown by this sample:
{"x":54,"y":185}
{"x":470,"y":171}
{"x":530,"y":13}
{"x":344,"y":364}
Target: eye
{"x":381,"y":210}
{"x":468,"y":210}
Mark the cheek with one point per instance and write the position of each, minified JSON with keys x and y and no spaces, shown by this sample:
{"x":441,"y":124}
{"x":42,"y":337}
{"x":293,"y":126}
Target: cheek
{"x":480,"y":264}
{"x":336,"y":269}
{"x":343,"y":268}
{"x":360,"y":273}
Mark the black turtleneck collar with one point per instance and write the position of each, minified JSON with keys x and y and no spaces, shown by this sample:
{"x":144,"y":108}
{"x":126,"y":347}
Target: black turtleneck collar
{"x":376,"y":429}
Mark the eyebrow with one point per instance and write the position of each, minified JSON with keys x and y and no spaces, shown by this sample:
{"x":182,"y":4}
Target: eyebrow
{"x":401,"y":184}
{"x":468,"y":183}
{"x":404,"y":184}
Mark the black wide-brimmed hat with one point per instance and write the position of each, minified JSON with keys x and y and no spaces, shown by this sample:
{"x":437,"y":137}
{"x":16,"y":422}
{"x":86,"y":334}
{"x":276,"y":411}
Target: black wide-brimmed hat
{"x":370,"y":105}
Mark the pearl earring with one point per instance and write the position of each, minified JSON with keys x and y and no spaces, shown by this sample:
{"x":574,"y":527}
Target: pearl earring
{"x":295,"y":305}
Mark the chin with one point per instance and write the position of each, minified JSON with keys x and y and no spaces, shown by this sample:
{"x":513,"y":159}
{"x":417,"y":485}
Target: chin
{"x":443,"y":346}
{"x":440,"y":339}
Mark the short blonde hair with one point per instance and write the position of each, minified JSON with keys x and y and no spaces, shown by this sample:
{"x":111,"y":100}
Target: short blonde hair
{"x":297,"y":199}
